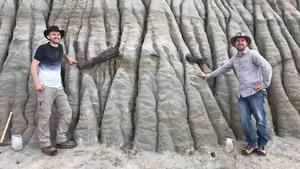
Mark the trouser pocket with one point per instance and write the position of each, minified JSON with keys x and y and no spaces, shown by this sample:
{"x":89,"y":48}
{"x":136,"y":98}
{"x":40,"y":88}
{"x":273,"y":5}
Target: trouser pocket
{"x":41,"y":100}
{"x":41,"y":104}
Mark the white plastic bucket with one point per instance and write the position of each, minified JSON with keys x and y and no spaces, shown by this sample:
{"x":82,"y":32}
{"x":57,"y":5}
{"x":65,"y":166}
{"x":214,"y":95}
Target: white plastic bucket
{"x":229,"y":144}
{"x":17,"y":142}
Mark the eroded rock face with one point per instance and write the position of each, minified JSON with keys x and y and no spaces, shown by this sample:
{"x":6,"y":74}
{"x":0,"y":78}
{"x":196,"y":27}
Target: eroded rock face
{"x":149,"y":97}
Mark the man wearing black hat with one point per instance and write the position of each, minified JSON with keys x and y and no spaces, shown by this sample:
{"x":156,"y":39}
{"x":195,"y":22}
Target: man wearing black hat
{"x":254,"y":75}
{"x":46,"y":73}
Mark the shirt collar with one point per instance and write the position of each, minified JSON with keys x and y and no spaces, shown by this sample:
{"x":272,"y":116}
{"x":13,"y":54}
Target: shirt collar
{"x":244,"y":52}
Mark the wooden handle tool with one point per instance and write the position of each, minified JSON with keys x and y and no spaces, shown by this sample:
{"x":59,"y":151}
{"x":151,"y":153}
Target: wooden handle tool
{"x":6,"y":127}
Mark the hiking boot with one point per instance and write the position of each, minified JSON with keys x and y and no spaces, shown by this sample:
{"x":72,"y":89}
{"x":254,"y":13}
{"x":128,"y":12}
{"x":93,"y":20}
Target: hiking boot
{"x":262,"y":150}
{"x":67,"y":144}
{"x":248,"y":150}
{"x":50,"y":151}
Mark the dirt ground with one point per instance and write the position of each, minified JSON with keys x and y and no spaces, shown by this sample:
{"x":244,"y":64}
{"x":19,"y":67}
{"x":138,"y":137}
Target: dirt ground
{"x":283,"y":153}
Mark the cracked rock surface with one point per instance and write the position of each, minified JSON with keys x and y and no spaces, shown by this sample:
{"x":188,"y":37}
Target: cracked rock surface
{"x":149,"y":97}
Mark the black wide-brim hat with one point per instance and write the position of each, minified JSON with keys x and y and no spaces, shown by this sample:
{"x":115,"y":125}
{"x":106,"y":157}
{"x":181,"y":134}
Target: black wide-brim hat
{"x":240,"y":35}
{"x":53,"y":29}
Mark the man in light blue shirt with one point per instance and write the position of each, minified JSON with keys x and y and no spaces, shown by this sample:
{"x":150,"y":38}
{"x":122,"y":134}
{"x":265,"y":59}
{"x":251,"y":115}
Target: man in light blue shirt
{"x":254,"y":76}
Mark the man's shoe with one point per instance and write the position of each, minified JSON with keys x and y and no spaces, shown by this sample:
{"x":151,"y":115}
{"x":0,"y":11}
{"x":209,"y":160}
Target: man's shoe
{"x":67,"y":144}
{"x":50,"y":151}
{"x":262,"y":150}
{"x":248,"y":150}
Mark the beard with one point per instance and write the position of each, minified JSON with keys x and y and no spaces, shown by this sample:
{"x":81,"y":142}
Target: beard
{"x":240,"y":49}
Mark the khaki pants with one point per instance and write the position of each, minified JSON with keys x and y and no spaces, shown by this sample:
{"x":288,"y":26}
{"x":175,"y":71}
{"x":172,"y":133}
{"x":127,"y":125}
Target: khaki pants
{"x":45,"y":100}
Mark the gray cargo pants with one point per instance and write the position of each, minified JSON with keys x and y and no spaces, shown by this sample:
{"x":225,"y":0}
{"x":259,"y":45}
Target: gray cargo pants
{"x":46,"y":98}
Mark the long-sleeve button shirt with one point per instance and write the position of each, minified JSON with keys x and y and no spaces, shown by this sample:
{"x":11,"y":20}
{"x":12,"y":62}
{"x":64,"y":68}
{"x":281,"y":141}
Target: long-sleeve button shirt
{"x":250,"y":68}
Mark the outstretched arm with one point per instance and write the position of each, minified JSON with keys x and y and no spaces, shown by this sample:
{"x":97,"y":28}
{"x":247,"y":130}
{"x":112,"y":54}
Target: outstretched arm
{"x":71,"y":61}
{"x":223,"y":69}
